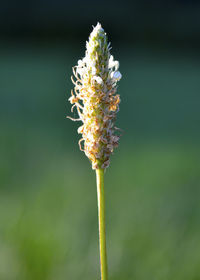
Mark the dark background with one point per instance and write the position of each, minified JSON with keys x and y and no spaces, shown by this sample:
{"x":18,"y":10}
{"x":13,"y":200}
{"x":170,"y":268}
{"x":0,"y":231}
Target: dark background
{"x":48,"y":210}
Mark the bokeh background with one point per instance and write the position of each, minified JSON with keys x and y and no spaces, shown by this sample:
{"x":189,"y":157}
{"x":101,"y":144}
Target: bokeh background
{"x":48,"y":210}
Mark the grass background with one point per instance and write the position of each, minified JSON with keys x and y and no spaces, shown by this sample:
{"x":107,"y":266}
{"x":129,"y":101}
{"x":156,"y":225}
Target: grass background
{"x":48,"y":211}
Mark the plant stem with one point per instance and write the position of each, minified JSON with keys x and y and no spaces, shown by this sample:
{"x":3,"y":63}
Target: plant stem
{"x":101,"y":216}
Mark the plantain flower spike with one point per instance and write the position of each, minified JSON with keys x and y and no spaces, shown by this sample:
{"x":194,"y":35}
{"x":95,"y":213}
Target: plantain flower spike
{"x":96,"y":100}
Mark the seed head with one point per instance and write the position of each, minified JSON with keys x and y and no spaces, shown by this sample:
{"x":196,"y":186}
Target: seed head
{"x":95,"y":99}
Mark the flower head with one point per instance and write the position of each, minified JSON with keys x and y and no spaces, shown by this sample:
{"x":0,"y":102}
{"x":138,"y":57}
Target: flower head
{"x":96,"y":100}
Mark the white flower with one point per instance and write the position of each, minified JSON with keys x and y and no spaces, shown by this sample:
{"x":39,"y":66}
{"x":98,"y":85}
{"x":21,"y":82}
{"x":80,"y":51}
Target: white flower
{"x":85,"y":60}
{"x":113,"y":63}
{"x":98,"y":79}
{"x":80,"y":63}
{"x":81,"y":71}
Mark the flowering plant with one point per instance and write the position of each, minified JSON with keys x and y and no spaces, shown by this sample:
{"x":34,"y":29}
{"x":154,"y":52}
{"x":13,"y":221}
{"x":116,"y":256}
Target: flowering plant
{"x":97,"y":103}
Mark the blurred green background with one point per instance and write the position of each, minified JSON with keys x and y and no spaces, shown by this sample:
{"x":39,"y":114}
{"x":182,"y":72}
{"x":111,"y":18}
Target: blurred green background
{"x":48,"y":209}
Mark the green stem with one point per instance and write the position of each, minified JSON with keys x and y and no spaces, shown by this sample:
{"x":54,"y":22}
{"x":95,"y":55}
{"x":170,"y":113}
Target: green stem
{"x":101,"y":215}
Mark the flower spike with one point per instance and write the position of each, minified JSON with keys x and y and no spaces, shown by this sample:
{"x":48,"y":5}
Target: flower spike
{"x":96,"y":100}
